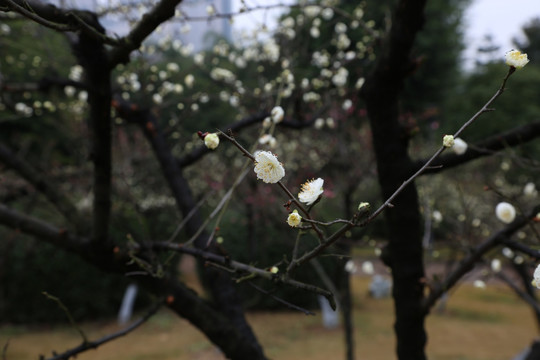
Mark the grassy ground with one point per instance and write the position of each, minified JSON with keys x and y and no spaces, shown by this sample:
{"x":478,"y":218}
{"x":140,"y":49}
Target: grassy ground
{"x":477,"y":324}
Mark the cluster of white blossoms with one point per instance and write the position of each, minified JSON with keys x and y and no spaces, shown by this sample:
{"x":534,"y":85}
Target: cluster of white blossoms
{"x":294,"y":219}
{"x":505,"y":212}
{"x":268,"y":168}
{"x":516,"y":59}
{"x":310,"y":191}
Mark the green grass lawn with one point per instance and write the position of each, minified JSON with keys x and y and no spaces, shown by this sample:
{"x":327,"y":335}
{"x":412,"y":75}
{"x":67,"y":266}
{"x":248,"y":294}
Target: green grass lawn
{"x":490,"y":324}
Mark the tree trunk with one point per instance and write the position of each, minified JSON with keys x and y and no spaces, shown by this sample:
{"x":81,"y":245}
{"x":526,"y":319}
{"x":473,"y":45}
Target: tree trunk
{"x":404,"y":251}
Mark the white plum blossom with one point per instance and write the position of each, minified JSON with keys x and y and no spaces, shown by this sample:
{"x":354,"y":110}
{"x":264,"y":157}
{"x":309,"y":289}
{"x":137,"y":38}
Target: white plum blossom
{"x":516,"y":59}
{"x":327,"y":13}
{"x":367,"y":267}
{"x":274,"y":269}
{"x":340,"y":78}
{"x":277,"y":114}
{"x":210,"y":10}
{"x":536,"y":277}
{"x":268,"y":139}
{"x":359,"y":83}
{"x":479,"y":284}
{"x":460,"y":146}
{"x":312,"y":10}
{"x":314,"y":32}
{"x":268,"y":168}
{"x":310,"y":191}
{"x":189,"y":80}
{"x":496,"y":265}
{"x":330,"y":122}
{"x":211,"y":141}
{"x":507,"y":252}
{"x":347,"y":104}
{"x":319,"y":123}
{"x":448,"y":141}
{"x":505,"y":212}
{"x":294,"y":219}
{"x":437,"y":216}
{"x":340,"y":28}
{"x":530,"y":190}
{"x":350,"y":267}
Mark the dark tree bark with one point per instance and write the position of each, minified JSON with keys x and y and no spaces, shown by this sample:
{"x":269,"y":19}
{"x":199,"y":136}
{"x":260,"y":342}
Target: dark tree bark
{"x":404,"y":251}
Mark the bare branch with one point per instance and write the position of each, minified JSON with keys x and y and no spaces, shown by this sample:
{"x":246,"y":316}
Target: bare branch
{"x":41,"y":184}
{"x":467,"y":264}
{"x":163,"y":11}
{"x":87,"y":345}
{"x":43,"y":230}
{"x":514,"y":137}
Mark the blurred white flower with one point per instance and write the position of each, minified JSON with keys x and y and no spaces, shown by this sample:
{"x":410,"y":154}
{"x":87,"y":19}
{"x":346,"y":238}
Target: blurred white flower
{"x":479,"y":284}
{"x":211,"y":141}
{"x":530,"y":190}
{"x":310,"y":191}
{"x":210,"y":10}
{"x":268,"y":168}
{"x":507,"y":252}
{"x":347,"y":104}
{"x":268,"y":139}
{"x":327,"y":13}
{"x":274,"y":269}
{"x":277,"y":114}
{"x":189,"y":80}
{"x":319,"y":123}
{"x":314,"y":32}
{"x":294,"y":219}
{"x":505,"y":212}
{"x":448,"y":141}
{"x":359,"y":83}
{"x":350,"y":267}
{"x":536,"y":277}
{"x":367,"y":267}
{"x":437,"y":216}
{"x":330,"y":123}
{"x":496,"y":265}
{"x":516,"y":59}
{"x":460,"y":146}
{"x":340,"y":28}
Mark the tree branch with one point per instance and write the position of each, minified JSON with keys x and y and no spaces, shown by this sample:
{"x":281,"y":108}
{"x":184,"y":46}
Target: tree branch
{"x":32,"y":226}
{"x":163,"y":11}
{"x":41,"y":184}
{"x":87,"y":345}
{"x":467,"y":264}
{"x":514,"y":137}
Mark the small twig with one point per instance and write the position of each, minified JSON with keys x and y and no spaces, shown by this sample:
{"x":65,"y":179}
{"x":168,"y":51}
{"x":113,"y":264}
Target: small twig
{"x":38,"y":19}
{"x":68,"y":314}
{"x":86,"y":345}
{"x":4,"y":350}
{"x":280,"y":300}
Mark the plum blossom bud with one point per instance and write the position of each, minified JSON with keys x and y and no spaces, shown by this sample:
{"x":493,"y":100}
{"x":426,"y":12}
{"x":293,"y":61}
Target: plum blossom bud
{"x":211,"y":141}
{"x":277,"y":114}
{"x":460,"y":146}
{"x":294,"y":219}
{"x":448,"y":141}
{"x":505,"y":212}
{"x":515,"y":58}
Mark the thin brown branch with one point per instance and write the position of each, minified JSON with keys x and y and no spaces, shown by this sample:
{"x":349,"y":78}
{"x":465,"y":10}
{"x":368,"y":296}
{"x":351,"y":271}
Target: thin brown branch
{"x":41,"y":184}
{"x":43,"y":230}
{"x":87,"y":345}
{"x":467,"y":264}
{"x":163,"y":11}
{"x":514,"y":137}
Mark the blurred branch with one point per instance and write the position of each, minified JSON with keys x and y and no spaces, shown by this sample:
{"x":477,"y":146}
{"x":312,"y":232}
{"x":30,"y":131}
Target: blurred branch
{"x":227,"y":263}
{"x":61,"y":20}
{"x":68,"y":314}
{"x":87,"y":345}
{"x":280,"y":300}
{"x":522,"y":294}
{"x":468,"y":263}
{"x":163,"y":11}
{"x":43,"y":230}
{"x":514,"y":137}
{"x":43,"y":85}
{"x":41,"y":184}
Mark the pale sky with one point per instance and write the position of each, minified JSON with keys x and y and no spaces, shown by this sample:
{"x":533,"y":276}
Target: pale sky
{"x":502,"y":19}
